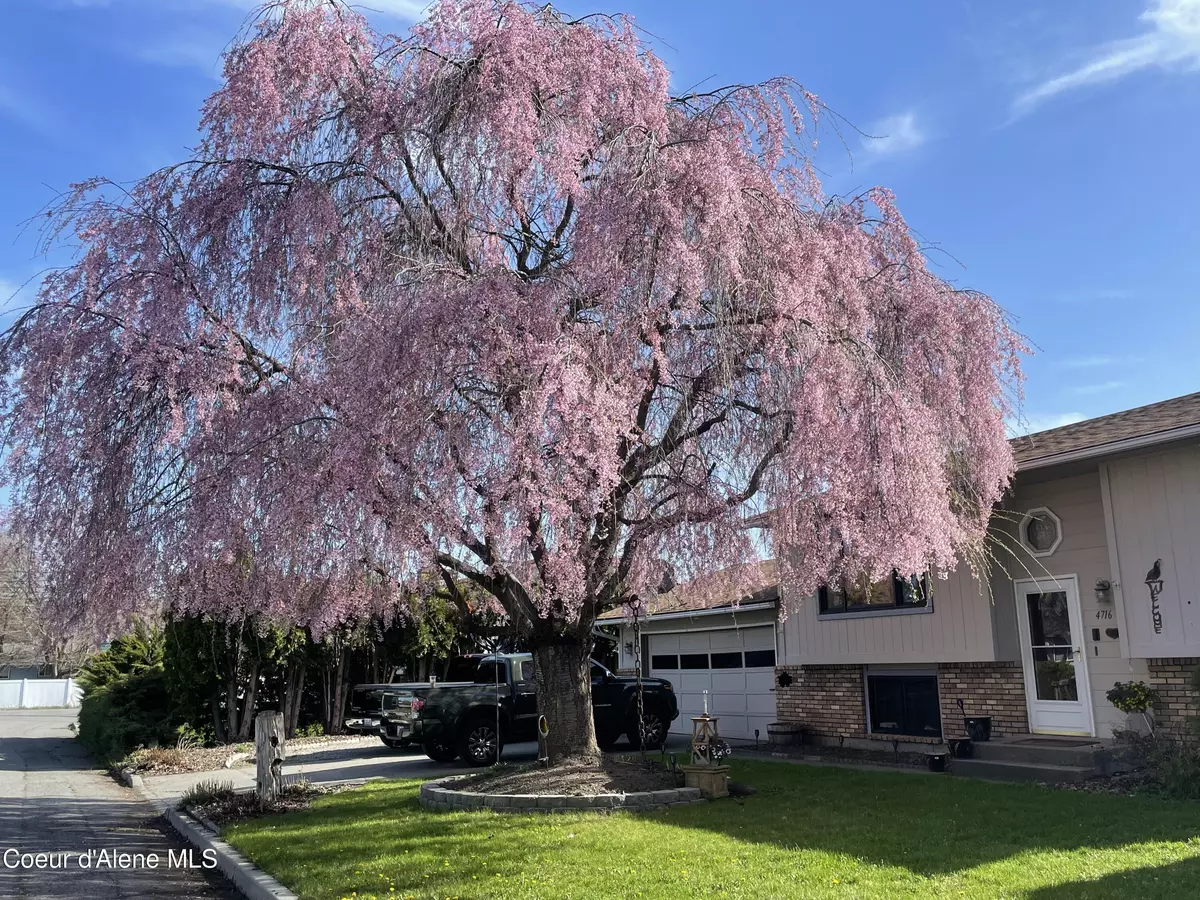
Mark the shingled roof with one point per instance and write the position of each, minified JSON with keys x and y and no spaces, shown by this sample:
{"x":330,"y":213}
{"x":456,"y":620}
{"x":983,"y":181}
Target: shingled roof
{"x":754,"y":582}
{"x":1162,"y":419}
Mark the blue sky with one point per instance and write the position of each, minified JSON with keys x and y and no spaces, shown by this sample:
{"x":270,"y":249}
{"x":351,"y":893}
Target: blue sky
{"x":1048,"y":148}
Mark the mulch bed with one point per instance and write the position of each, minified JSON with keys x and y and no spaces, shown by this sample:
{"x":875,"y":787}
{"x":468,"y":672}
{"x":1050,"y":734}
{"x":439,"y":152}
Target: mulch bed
{"x":1127,"y":784}
{"x":575,"y":779}
{"x":175,"y":761}
{"x":239,"y":807}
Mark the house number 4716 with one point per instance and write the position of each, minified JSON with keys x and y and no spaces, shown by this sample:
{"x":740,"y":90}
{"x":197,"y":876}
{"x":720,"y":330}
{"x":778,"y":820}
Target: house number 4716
{"x":1104,"y":614}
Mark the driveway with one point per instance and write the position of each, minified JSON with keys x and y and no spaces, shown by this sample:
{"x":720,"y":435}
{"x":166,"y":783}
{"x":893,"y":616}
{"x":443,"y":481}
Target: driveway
{"x":53,"y":800}
{"x":369,"y":759}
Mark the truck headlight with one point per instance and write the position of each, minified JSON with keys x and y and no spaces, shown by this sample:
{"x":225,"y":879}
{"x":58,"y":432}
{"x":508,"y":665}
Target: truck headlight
{"x":667,"y":686}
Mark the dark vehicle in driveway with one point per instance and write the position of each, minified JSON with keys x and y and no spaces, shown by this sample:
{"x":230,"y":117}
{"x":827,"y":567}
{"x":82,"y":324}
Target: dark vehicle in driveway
{"x":474,"y":719}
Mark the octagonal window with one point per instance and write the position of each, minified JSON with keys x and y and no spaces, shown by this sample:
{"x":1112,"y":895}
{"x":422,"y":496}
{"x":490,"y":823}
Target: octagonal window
{"x":1041,"y":531}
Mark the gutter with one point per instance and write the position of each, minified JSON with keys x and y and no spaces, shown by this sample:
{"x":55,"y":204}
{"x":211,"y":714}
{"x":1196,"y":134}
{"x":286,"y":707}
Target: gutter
{"x":692,"y":613}
{"x":1133,"y":443}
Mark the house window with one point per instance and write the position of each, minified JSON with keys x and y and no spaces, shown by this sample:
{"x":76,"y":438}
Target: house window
{"x":727,"y":660}
{"x":664,"y":661}
{"x":861,"y":596}
{"x":693,"y":661}
{"x":904,"y":705}
{"x":1040,"y":532}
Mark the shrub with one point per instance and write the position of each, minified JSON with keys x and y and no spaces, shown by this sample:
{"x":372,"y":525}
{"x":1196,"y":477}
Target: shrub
{"x":1132,"y":696}
{"x":1172,"y":766}
{"x":189,"y":738}
{"x":131,"y":711}
{"x":205,"y":792}
{"x":313,"y":730}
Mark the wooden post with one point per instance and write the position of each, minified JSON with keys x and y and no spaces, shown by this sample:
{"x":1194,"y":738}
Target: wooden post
{"x":269,"y":752}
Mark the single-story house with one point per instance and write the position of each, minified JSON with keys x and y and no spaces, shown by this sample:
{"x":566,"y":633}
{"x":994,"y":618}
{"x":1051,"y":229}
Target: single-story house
{"x":1096,"y":579}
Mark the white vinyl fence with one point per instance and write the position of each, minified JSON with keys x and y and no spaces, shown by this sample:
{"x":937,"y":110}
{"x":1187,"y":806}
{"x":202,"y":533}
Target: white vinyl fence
{"x":27,"y":693}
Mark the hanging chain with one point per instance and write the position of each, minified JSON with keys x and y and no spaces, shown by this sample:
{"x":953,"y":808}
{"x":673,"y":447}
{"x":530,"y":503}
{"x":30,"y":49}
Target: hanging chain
{"x":637,"y":671}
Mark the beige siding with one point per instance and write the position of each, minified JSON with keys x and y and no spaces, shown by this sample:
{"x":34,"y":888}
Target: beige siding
{"x":1155,"y":501}
{"x":958,"y":629}
{"x":1075,"y":496}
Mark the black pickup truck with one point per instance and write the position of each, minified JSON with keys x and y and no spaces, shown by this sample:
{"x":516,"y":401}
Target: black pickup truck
{"x":474,"y":718}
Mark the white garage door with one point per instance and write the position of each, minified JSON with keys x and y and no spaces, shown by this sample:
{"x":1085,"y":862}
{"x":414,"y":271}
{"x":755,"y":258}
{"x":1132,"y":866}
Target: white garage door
{"x":735,"y":665}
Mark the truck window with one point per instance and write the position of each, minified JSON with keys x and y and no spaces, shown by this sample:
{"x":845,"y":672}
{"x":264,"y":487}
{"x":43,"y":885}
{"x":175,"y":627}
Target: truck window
{"x":524,"y":670}
{"x":491,"y":672}
{"x":462,"y":668}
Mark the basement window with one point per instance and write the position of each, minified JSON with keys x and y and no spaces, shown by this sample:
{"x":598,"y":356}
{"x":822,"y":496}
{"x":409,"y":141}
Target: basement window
{"x":904,"y":705}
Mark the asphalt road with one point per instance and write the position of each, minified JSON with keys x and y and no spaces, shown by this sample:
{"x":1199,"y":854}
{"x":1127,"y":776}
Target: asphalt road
{"x":53,"y":801}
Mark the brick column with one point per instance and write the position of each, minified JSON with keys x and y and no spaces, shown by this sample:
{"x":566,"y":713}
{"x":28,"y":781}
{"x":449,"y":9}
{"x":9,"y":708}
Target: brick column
{"x":995,"y":689}
{"x":826,"y":700}
{"x":1172,"y":678}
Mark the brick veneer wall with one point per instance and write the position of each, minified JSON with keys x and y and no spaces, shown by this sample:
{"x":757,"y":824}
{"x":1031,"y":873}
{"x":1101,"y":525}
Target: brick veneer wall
{"x":995,"y":689}
{"x":1171,"y":677}
{"x":826,"y":700}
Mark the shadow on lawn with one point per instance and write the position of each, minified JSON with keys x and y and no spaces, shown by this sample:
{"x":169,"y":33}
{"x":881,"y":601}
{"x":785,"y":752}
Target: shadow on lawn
{"x":934,"y":825}
{"x":1177,"y":879}
{"x":927,"y":825}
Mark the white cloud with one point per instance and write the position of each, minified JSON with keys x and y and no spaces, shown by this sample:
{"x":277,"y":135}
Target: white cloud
{"x":1103,"y":387}
{"x":895,"y":134}
{"x":1042,"y":422}
{"x":1088,"y":362}
{"x":1171,"y":40}
{"x":14,"y":295}
{"x":401,"y":9}
{"x":1094,"y":295}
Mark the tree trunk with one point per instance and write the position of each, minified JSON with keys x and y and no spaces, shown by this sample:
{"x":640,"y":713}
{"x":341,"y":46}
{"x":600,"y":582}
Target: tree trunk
{"x":340,"y":689}
{"x":248,"y":699}
{"x":231,"y":700}
{"x":293,"y":690}
{"x":218,"y":725}
{"x":333,"y":695}
{"x":564,"y":683}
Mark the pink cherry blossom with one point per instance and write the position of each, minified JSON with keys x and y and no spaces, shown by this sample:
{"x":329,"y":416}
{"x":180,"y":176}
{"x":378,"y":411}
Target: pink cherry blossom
{"x":488,"y":298}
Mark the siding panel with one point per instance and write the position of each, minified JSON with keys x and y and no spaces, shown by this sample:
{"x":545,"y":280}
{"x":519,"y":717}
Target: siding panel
{"x":1156,"y":512}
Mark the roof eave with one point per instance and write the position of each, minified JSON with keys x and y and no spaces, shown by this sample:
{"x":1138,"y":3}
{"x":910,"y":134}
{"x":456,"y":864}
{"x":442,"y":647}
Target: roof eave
{"x":1138,"y":442}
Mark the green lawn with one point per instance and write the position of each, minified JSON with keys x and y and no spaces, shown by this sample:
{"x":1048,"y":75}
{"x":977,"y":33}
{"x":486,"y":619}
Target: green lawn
{"x":809,"y":832}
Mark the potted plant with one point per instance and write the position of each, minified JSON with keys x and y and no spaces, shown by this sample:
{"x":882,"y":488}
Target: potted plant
{"x":1135,"y":699}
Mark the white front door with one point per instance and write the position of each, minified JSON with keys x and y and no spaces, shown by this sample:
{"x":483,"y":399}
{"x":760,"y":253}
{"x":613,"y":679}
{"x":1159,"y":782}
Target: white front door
{"x":1056,"y":681}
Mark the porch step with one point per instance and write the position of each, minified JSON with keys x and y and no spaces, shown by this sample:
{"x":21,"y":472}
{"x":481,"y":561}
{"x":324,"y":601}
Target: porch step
{"x":1084,"y":755}
{"x":1007,"y":770}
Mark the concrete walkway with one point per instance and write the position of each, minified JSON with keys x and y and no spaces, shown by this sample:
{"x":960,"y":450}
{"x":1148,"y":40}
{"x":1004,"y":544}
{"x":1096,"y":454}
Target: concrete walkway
{"x":53,"y":800}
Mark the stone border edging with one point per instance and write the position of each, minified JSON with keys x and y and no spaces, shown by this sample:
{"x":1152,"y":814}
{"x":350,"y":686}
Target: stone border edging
{"x":436,"y":796}
{"x":249,"y":880}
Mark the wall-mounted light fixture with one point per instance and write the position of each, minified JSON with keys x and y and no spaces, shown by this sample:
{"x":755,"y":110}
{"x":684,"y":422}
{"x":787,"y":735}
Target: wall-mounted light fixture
{"x":1103,"y":590}
{"x":629,"y":647}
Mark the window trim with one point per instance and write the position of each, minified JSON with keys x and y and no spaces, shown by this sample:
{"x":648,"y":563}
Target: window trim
{"x":870,"y":672}
{"x":1023,"y":536}
{"x":822,"y":598}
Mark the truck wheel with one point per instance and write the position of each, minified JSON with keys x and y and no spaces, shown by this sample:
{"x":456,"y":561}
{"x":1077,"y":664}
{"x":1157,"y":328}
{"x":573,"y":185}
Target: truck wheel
{"x":480,"y":743}
{"x":606,"y":739}
{"x":439,"y":752}
{"x":653,"y":727}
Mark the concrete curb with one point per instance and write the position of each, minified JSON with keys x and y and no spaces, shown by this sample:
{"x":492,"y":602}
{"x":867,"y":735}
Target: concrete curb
{"x":439,"y":796}
{"x":131,"y":779}
{"x":251,"y":882}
